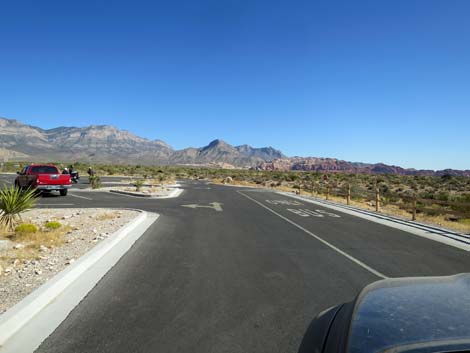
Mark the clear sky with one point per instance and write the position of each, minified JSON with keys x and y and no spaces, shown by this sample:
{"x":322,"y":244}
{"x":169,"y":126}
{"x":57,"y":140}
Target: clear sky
{"x":371,"y":81}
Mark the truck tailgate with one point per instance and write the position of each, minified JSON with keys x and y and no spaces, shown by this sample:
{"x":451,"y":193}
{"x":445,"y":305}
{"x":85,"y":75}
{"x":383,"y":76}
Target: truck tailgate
{"x":54,"y":179}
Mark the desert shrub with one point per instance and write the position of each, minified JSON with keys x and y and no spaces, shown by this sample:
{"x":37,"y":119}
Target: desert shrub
{"x":138,"y":185}
{"x":95,"y":181}
{"x":26,"y":228}
{"x":443,"y":196}
{"x":13,"y":201}
{"x":53,"y":225}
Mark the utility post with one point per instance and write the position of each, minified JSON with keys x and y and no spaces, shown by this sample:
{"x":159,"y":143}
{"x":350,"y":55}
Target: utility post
{"x":348,"y":196}
{"x":377,"y":196}
{"x":327,"y":184}
{"x":413,"y":217}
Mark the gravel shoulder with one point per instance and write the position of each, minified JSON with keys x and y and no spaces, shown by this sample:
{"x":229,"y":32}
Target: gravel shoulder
{"x":27,"y":263}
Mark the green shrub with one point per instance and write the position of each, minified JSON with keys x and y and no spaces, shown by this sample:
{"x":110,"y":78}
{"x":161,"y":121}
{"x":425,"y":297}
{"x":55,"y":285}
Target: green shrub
{"x":138,"y":185}
{"x":26,"y":228}
{"x":53,"y":225}
{"x":95,"y":181}
{"x":13,"y":201}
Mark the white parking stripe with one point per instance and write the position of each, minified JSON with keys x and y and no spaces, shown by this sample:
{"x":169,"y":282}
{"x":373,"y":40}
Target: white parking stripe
{"x":81,"y":197}
{"x":352,"y":258}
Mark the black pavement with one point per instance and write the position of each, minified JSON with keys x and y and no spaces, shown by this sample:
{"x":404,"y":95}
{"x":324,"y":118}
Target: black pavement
{"x":248,"y":278}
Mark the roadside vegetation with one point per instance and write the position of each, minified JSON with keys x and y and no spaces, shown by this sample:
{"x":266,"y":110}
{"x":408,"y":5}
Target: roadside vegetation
{"x":442,"y":201}
{"x":94,"y":181}
{"x":14,"y":201}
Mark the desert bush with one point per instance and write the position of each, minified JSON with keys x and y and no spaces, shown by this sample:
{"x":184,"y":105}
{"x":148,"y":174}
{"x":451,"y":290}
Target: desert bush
{"x":95,"y":181}
{"x":26,"y":228}
{"x":138,"y":185}
{"x":53,"y":225}
{"x":13,"y":201}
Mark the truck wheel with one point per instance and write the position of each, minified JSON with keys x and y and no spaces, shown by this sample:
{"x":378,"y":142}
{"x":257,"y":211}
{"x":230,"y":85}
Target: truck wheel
{"x":63,"y":192}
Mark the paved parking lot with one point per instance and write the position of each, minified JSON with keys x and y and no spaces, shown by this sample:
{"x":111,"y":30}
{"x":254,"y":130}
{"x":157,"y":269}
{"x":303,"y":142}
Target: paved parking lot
{"x":235,"y":270}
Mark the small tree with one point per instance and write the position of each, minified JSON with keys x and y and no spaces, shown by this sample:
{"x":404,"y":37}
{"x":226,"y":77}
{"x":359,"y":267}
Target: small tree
{"x":13,"y":201}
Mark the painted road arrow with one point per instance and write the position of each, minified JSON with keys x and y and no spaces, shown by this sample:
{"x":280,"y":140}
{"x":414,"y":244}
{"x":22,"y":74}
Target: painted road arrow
{"x":214,"y":205}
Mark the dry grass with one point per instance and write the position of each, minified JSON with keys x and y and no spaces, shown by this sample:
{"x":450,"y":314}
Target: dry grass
{"x":53,"y":237}
{"x":32,"y":243}
{"x":107,"y":216}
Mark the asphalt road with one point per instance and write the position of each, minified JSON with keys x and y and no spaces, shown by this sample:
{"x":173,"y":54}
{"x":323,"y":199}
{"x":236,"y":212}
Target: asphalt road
{"x":248,"y":278}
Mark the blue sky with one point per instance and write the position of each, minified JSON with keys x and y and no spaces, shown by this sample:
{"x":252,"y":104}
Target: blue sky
{"x":371,"y":81}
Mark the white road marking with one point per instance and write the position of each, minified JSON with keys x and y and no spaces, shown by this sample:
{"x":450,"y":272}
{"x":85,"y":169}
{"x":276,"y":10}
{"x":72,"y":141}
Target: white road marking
{"x":215,"y":205}
{"x":352,"y":258}
{"x":312,"y":213}
{"x":299,"y":212}
{"x":81,"y":197}
{"x":284,"y":202}
{"x":56,"y":204}
{"x":329,"y":213}
{"x":305,"y":212}
{"x":443,"y":236}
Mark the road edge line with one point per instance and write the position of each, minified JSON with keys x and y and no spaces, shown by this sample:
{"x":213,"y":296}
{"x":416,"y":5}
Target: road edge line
{"x":45,"y":296}
{"x":338,"y":250}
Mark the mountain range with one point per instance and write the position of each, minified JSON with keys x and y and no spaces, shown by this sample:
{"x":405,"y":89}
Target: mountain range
{"x":107,"y":144}
{"x":333,"y":165}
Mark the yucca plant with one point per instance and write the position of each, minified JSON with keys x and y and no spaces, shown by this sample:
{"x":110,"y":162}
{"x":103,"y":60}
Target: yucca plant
{"x":13,"y":201}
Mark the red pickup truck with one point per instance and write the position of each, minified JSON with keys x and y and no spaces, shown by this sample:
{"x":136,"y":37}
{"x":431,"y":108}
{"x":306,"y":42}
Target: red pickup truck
{"x":44,"y":177}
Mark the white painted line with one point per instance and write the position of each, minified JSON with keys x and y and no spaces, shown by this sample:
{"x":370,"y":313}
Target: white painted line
{"x":352,"y":258}
{"x":32,"y":320}
{"x":56,"y":204}
{"x":284,"y":202}
{"x":311,"y":212}
{"x":81,"y":197}
{"x":334,"y":215}
{"x":300,"y":212}
{"x":214,"y":205}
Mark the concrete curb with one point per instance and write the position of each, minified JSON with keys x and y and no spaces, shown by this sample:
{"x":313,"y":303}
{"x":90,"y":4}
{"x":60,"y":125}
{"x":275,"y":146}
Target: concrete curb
{"x":174,"y":193}
{"x":44,"y":297}
{"x":130,"y":193}
{"x":441,"y":235}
